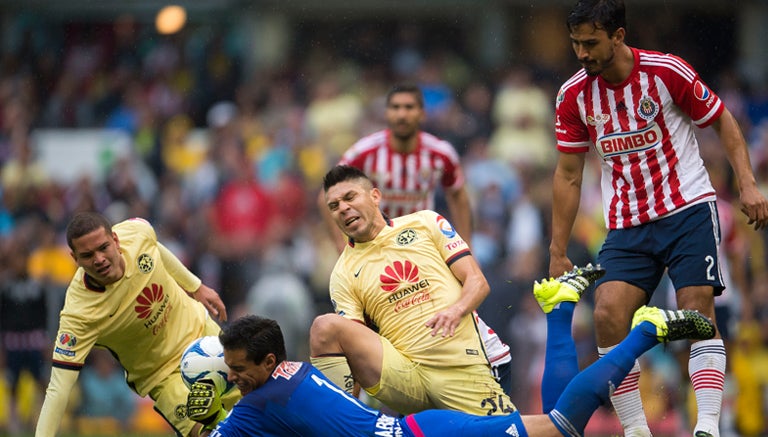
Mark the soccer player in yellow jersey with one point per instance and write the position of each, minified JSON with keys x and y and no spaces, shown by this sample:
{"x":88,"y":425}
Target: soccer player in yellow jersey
{"x":130,"y":296}
{"x":414,"y":280}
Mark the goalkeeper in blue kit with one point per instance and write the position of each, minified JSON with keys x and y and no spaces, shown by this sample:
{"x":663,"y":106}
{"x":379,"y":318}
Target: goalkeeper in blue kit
{"x":284,"y":398}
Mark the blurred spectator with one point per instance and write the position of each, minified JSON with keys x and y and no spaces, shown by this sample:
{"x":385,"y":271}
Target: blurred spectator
{"x":66,"y":108}
{"x":242,"y":217}
{"x":23,"y":325}
{"x":748,"y":356}
{"x":106,"y":403}
{"x":332,"y":115}
{"x":281,"y":294}
{"x":22,"y":178}
{"x":523,"y":113}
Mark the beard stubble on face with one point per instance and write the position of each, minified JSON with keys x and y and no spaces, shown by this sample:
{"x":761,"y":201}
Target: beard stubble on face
{"x":600,"y":66}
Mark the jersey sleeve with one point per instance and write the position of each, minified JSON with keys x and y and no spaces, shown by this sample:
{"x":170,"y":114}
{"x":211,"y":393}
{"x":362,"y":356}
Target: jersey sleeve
{"x":55,"y":403}
{"x":178,"y":271}
{"x":691,"y":94}
{"x":570,"y":131}
{"x":75,"y":338}
{"x":448,"y":242}
{"x":346,"y":301}
{"x":186,"y":279}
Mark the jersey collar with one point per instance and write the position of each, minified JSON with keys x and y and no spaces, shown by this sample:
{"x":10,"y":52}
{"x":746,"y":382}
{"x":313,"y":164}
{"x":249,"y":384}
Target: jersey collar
{"x":351,"y":241}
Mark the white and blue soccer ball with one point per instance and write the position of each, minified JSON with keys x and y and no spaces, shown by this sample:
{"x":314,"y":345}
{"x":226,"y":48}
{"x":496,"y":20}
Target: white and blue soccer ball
{"x":204,"y":358}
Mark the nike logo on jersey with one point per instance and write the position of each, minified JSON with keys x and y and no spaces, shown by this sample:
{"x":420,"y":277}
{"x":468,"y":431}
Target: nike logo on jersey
{"x":358,"y":271}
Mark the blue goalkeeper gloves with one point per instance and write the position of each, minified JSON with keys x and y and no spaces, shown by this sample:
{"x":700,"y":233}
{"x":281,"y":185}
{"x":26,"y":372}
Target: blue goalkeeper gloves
{"x":204,"y":404}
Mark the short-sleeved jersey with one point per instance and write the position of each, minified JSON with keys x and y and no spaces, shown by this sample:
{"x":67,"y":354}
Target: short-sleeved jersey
{"x":407,"y":180}
{"x":399,"y":280}
{"x":643,"y":129}
{"x":145,"y":319}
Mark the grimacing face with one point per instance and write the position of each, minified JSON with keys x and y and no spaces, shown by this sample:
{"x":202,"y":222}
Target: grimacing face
{"x":355,"y":209}
{"x":594,"y":48}
{"x":247,"y":375}
{"x":404,"y":115}
{"x":98,"y":253}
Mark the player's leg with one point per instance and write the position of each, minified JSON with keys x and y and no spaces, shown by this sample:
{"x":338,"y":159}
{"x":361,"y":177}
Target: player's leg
{"x":170,"y":401}
{"x":340,"y":348}
{"x":696,"y":274}
{"x":586,"y":392}
{"x":629,"y":278}
{"x":558,"y":298}
{"x":593,"y":386}
{"x":706,"y":365}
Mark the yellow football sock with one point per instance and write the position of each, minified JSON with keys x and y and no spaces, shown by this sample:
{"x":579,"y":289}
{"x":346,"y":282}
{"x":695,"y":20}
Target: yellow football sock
{"x":336,"y":369}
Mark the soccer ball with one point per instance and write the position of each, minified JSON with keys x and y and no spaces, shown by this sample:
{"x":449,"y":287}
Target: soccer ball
{"x":204,"y":358}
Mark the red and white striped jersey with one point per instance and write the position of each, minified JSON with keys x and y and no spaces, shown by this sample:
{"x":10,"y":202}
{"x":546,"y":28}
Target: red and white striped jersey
{"x":643,"y":129}
{"x":407,"y":180}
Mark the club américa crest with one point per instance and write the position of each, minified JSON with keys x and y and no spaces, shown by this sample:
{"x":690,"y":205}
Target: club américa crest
{"x":145,"y":263}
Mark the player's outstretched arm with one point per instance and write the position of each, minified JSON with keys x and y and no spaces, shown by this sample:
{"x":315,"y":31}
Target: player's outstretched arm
{"x":55,"y":403}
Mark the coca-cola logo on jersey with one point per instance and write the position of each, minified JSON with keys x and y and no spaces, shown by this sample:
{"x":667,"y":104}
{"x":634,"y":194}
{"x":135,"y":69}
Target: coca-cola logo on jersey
{"x":401,"y":279}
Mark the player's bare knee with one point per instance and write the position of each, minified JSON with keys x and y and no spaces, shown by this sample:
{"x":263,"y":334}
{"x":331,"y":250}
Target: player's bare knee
{"x":609,"y":319}
{"x":323,"y":330}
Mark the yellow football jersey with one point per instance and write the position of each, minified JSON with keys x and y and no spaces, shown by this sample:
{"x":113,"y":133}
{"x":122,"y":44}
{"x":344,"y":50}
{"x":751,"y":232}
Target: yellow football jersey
{"x":145,"y":319}
{"x":402,"y":278}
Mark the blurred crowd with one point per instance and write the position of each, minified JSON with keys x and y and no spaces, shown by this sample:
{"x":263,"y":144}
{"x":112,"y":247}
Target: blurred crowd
{"x":237,"y":202}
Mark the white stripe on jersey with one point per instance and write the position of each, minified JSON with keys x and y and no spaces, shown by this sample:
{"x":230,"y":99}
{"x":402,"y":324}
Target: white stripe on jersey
{"x":669,"y":62}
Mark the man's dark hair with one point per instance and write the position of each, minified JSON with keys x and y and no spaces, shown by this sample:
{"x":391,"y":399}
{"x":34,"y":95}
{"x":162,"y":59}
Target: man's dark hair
{"x":259,"y":337}
{"x":343,"y":173}
{"x":608,"y":15}
{"x":85,"y":223}
{"x":407,"y":88}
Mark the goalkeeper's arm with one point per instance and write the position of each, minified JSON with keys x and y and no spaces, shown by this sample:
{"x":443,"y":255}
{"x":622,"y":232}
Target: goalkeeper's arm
{"x":204,"y":404}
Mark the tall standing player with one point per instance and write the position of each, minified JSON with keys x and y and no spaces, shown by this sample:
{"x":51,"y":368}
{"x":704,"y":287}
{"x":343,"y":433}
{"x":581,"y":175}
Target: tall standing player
{"x":408,"y":165}
{"x":130,"y":296}
{"x":638,"y":109}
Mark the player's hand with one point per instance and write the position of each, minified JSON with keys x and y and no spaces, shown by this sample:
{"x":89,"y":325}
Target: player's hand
{"x":204,"y":404}
{"x":211,"y":301}
{"x":445,"y":321}
{"x":755,"y":206}
{"x":559,"y":265}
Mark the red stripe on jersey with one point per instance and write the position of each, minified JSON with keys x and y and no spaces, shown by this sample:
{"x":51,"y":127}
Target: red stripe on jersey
{"x":654,"y":168}
{"x":640,"y":192}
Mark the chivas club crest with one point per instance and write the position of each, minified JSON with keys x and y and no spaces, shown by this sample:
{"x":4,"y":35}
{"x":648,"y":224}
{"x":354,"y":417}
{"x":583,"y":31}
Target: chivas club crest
{"x":647,"y":109}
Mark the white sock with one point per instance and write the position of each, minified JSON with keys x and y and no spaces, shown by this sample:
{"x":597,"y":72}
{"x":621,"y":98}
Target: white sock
{"x":627,"y":402}
{"x":707,"y":370}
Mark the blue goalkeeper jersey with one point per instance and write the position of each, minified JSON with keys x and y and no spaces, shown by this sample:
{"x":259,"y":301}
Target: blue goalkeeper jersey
{"x":298,"y":400}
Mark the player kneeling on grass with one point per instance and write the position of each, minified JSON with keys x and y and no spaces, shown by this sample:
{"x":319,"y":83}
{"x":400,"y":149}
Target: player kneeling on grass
{"x":284,"y":398}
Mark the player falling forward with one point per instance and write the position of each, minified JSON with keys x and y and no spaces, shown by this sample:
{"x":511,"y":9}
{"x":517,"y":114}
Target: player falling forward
{"x":282,"y":398}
